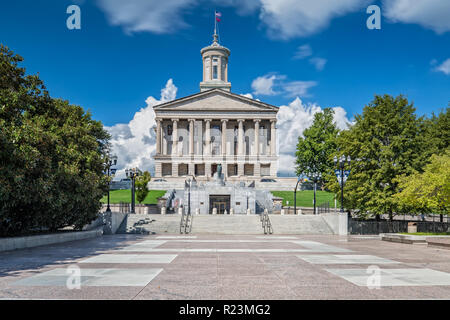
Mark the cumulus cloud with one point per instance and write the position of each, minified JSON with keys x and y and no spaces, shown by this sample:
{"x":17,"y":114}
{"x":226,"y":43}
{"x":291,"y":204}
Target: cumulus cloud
{"x":264,"y":85}
{"x":135,"y":142}
{"x":287,"y":19}
{"x":274,"y":84}
{"x":146,"y":15}
{"x":444,"y":67}
{"x":431,"y":14}
{"x":292,"y":120}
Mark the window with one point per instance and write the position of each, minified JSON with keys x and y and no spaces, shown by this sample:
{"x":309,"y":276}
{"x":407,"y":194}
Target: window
{"x":169,"y":130}
{"x":215,"y":63}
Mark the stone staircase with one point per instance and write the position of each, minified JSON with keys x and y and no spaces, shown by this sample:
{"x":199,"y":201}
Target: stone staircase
{"x":151,"y":224}
{"x":225,"y":224}
{"x":300,"y":224}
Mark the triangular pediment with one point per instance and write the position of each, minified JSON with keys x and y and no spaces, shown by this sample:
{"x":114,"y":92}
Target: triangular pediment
{"x":216,"y":100}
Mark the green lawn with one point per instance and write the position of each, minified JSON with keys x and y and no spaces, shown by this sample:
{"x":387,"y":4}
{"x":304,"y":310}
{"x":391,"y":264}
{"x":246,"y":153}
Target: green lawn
{"x":118,"y":196}
{"x":305,"y":198}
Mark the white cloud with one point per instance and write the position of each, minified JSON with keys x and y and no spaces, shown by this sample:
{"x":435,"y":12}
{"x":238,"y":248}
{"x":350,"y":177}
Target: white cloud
{"x":264,"y":85}
{"x":319,"y":63}
{"x":275,"y":84}
{"x":292,"y":120}
{"x":298,"y":88}
{"x":135,"y":142}
{"x":431,"y":14}
{"x":303,"y":52}
{"x":444,"y":67}
{"x":147,"y":15}
{"x":287,"y":19}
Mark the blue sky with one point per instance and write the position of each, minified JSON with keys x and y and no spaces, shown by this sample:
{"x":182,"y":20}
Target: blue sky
{"x":126,"y":53}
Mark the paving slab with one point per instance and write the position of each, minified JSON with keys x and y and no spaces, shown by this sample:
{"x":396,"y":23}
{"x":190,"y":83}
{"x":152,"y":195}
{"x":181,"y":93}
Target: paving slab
{"x":345,"y":259}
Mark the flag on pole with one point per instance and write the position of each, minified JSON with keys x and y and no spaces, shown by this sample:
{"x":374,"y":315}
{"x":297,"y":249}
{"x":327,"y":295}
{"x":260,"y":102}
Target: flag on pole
{"x":218,"y":15}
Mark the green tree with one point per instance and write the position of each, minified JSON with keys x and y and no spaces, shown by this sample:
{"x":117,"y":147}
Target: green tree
{"x":428,"y":191}
{"x":142,"y":186}
{"x":385,"y":142}
{"x":51,"y":156}
{"x":437,"y":134}
{"x":318,"y":144}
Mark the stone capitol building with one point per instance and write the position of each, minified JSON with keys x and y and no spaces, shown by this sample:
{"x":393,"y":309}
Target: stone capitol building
{"x":197,"y":133}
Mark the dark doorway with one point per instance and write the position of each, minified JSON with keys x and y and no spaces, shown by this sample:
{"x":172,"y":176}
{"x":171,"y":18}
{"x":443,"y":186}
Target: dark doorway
{"x":220,"y":202}
{"x":213,"y":169}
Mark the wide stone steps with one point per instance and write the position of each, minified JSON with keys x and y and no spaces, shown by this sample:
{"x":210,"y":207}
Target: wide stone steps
{"x":154,"y":224}
{"x":224,"y":224}
{"x":300,"y":224}
{"x":227,"y":224}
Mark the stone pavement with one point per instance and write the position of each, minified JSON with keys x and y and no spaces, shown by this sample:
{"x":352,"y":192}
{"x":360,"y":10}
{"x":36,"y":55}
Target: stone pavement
{"x":227,"y":267}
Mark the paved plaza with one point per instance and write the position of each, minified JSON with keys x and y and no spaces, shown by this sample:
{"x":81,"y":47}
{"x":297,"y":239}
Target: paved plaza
{"x":227,"y":267}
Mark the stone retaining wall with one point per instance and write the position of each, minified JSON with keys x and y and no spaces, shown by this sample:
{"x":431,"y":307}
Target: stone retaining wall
{"x":14,"y":243}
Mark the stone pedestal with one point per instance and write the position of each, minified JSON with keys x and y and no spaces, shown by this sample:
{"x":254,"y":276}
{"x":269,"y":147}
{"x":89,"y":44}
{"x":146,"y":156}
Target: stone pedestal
{"x":163,"y":210}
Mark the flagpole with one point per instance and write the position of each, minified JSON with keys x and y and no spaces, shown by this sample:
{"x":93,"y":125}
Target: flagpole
{"x":215,"y":22}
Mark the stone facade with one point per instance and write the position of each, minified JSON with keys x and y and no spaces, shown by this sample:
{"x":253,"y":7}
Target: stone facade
{"x":195,"y":134}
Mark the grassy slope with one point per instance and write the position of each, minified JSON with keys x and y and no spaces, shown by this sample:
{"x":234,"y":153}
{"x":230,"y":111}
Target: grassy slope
{"x":118,"y":196}
{"x":305,"y":198}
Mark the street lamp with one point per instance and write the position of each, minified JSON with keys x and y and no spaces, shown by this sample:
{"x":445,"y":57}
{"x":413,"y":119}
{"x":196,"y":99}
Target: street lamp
{"x":110,"y":172}
{"x":315,"y":177}
{"x":342,"y":174}
{"x":133,"y":174}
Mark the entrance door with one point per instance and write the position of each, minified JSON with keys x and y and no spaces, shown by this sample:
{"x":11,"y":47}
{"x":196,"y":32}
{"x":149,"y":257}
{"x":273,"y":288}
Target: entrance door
{"x":221,"y":203}
{"x":213,"y":169}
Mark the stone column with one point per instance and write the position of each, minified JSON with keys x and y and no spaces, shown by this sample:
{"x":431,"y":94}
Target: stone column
{"x":208,"y":137}
{"x":241,"y":137}
{"x":158,"y":136}
{"x":256,"y":149}
{"x":175,"y":137}
{"x":224,"y":137}
{"x":164,"y":140}
{"x":191,"y":137}
{"x":273,"y":138}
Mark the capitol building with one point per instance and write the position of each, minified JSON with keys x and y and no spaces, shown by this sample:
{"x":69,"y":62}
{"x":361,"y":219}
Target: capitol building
{"x":216,"y":129}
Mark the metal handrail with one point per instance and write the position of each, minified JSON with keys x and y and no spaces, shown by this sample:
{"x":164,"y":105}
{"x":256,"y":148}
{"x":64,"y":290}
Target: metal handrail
{"x":183,"y":222}
{"x":186,"y":223}
{"x":266,"y":224}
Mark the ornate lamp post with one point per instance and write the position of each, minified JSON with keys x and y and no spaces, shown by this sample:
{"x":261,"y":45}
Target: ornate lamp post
{"x":110,"y":172}
{"x":315,"y":177}
{"x":132,"y":174}
{"x":342,"y":174}
{"x":295,"y":194}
